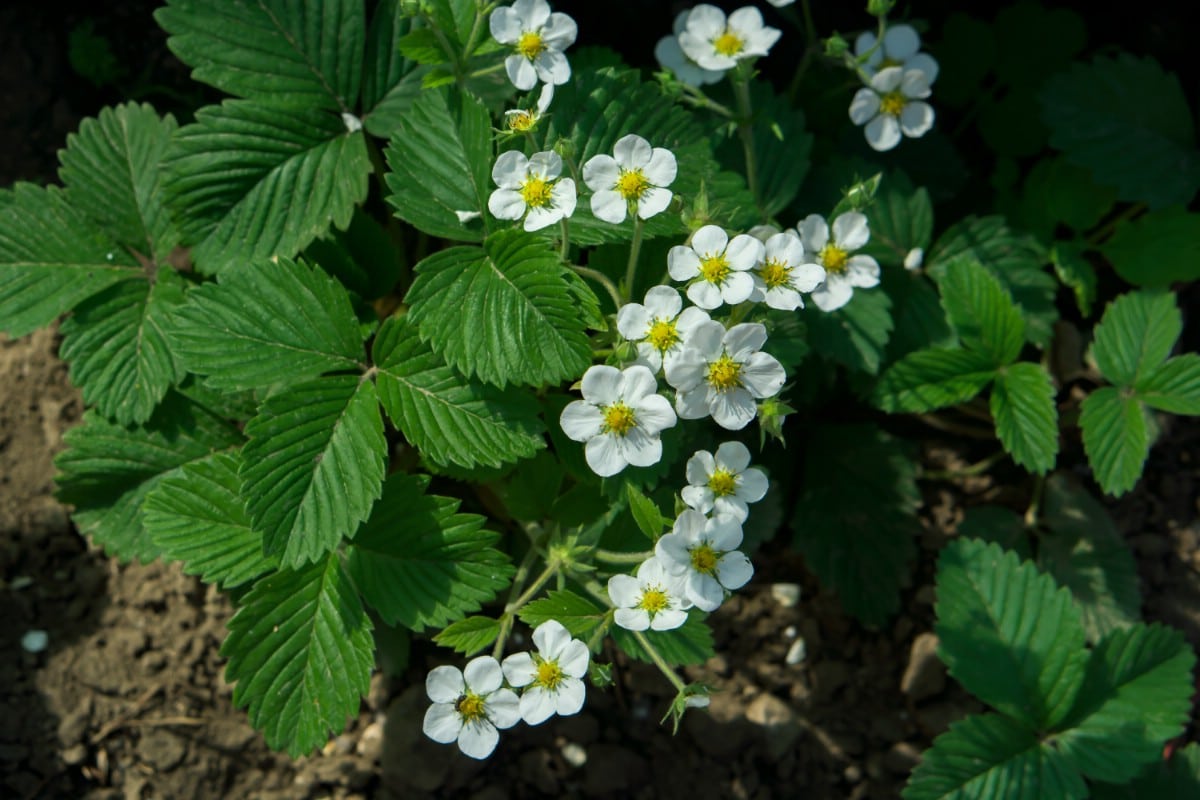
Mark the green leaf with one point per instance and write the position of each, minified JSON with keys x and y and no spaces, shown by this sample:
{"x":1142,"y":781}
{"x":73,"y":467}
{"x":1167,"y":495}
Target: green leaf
{"x":1058,"y":193}
{"x":996,"y":524}
{"x":1136,"y":695}
{"x":917,"y":314}
{"x":391,"y":83}
{"x":1085,"y":553}
{"x":419,"y":563}
{"x":577,"y":614}
{"x":111,"y":172}
{"x":440,"y":159}
{"x":313,"y":465}
{"x":272,"y":322}
{"x":646,"y":514}
{"x":250,"y":180}
{"x":1136,"y":335}
{"x":931,"y":379}
{"x":1157,"y":249}
{"x":305,"y":53}
{"x":450,"y":419}
{"x":363,"y":258}
{"x":900,"y":221}
{"x":1008,"y":633}
{"x":108,"y":470}
{"x":855,"y":335}
{"x":469,"y":636}
{"x":981,"y":311}
{"x":1076,"y":273}
{"x":1115,"y":438}
{"x":301,"y":653}
{"x":855,"y":522}
{"x":1174,"y":386}
{"x":196,"y":515}
{"x":1128,"y":122}
{"x":530,"y":490}
{"x":992,"y":756}
{"x":119,"y":347}
{"x":1026,"y":417}
{"x":691,"y":643}
{"x":1176,"y":779}
{"x":504,"y":313}
{"x":782,"y":148}
{"x":51,"y":258}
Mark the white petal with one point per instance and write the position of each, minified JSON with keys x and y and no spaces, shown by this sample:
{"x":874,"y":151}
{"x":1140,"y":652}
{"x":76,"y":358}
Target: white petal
{"x":664,"y":302}
{"x":559,"y":32}
{"x":574,"y":658}
{"x":502,"y":708}
{"x":707,"y":339}
{"x":636,"y":383}
{"x":864,"y":42}
{"x":581,"y":421}
{"x":671,"y":555}
{"x":753,"y":486}
{"x":698,"y":497}
{"x":550,"y":638}
{"x":641,"y":449}
{"x":632,"y":151}
{"x":692,"y":403}
{"x":653,"y":201}
{"x":533,"y":13}
{"x":609,"y":206}
{"x":505,"y":26}
{"x":661,"y":169}
{"x":601,"y":384}
{"x":737,"y":287}
{"x":603,"y":454}
{"x":544,"y":98}
{"x":601,"y":172}
{"x":706,"y":20}
{"x":506,"y":204}
{"x":883,"y":133}
{"x":915,"y":84}
{"x":746,"y":20}
{"x":668,"y":619}
{"x":783,"y":298}
{"x":734,"y":570}
{"x":444,"y":684}
{"x":900,"y":42}
{"x":733,"y":507}
{"x":478,"y":739}
{"x":543,"y":217}
{"x":552,"y":67}
{"x":709,"y":240}
{"x":762,"y":375}
{"x":723,"y":532}
{"x":685,"y":370}
{"x":649,"y":357}
{"x":521,"y":72}
{"x":916,"y":119}
{"x":624,"y":590}
{"x":563,"y":197}
{"x":924,"y":63}
{"x":833,"y":294}
{"x":688,"y":321}
{"x":510,"y":169}
{"x":864,"y":107}
{"x":633,"y":319}
{"x":632,"y":619}
{"x":682,"y":263}
{"x":733,"y":456}
{"x":654,"y":414}
{"x":483,"y":675}
{"x":862,"y":272}
{"x":519,"y":669}
{"x":704,"y":591}
{"x":569,"y":698}
{"x":700,"y":467}
{"x":814,"y":232}
{"x":807,"y":277}
{"x":759,"y":42}
{"x":546,"y":165}
{"x":442,"y":723}
{"x":732,"y":410}
{"x":743,"y":339}
{"x":537,"y":705}
{"x":744,"y":252}
{"x":784,"y":247}
{"x":887,"y":80}
{"x":705,"y":295}
{"x":850,"y":230}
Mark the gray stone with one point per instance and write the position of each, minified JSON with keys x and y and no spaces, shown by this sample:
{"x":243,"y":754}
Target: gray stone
{"x":925,"y":675}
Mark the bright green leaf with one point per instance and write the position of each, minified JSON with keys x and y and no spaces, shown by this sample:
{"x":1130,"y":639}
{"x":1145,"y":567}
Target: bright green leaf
{"x":1174,"y":386}
{"x":646,"y":514}
{"x":391,"y":83}
{"x":1176,"y":779}
{"x":579,"y":615}
{"x":1115,"y":438}
{"x":313,"y":466}
{"x":930,"y":379}
{"x":855,"y":335}
{"x":469,"y":636}
{"x":1026,"y":416}
{"x":1136,"y":335}
{"x":1158,"y":249}
{"x":1008,"y":633}
{"x":691,"y":643}
{"x":981,"y":310}
{"x":1076,"y":272}
{"x":301,"y":653}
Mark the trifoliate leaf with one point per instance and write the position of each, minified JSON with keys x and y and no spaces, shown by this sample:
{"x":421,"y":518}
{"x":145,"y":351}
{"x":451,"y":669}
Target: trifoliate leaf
{"x":305,"y":53}
{"x":269,"y":322}
{"x":1136,"y":696}
{"x":1136,"y":335}
{"x":1174,"y":386}
{"x":1158,"y":249}
{"x":502,"y":313}
{"x":1016,"y":260}
{"x":855,"y":335}
{"x":1026,"y":416}
{"x":981,"y":311}
{"x":250,"y":180}
{"x":855,"y":522}
{"x":440,"y":159}
{"x":917,"y":314}
{"x":992,"y":756}
{"x":1057,"y":192}
{"x":391,"y":83}
{"x":1127,"y":121}
{"x":1084,"y":552}
{"x":119,"y":346}
{"x":419,"y":563}
{"x":900,"y":221}
{"x":1008,"y":633}
{"x":301,"y":653}
{"x":469,"y":636}
{"x":1076,"y":272}
{"x":111,"y":172}
{"x":1115,"y":438}
{"x":579,"y":615}
{"x":996,"y":524}
{"x":51,"y":258}
{"x":313,"y":466}
{"x":1176,"y":779}
{"x":196,"y":515}
{"x":449,"y":418}
{"x":108,"y":470}
{"x":691,"y":643}
{"x":932,"y":379}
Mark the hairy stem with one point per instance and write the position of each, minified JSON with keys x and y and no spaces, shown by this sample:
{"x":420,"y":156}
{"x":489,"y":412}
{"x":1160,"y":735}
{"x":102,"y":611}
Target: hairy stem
{"x":634,"y":251}
{"x":659,"y":661}
{"x":602,"y":279}
{"x":745,"y":127}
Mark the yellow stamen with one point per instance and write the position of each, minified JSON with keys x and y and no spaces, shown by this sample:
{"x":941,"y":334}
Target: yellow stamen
{"x":549,"y":675}
{"x":470,"y":707}
{"x":775,"y":273}
{"x":724,"y":374}
{"x":653,"y":600}
{"x":834,"y":258}
{"x":728,"y":43}
{"x":704,"y":559}
{"x":530,"y":45}
{"x":722,"y":482}
{"x":892,"y":103}
{"x":715,"y":269}
{"x":521,"y":122}
{"x":619,"y":419}
{"x":632,"y":184}
{"x":662,"y":335}
{"x":536,"y":192}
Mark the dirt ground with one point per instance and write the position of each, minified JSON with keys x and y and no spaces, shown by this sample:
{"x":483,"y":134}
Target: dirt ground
{"x":128,"y":699}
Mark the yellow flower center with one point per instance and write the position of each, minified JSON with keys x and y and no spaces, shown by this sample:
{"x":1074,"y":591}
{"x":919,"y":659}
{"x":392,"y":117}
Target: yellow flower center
{"x":834,"y":258}
{"x":536,"y":192}
{"x":662,"y":335}
{"x":521,"y":122}
{"x":704,"y":559}
{"x":728,"y":43}
{"x":653,"y":601}
{"x":888,"y":62}
{"x":724,"y":374}
{"x":549,"y":675}
{"x":632,"y":184}
{"x":619,"y":419}
{"x":530,"y":45}
{"x":892,"y":103}
{"x":722,"y":482}
{"x":470,"y":707}
{"x":775,"y":273}
{"x":714,"y":269}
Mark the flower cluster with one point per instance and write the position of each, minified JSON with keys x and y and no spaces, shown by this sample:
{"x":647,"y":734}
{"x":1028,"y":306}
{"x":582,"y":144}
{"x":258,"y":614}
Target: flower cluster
{"x":706,"y":43}
{"x":898,"y":78}
{"x":470,"y":706}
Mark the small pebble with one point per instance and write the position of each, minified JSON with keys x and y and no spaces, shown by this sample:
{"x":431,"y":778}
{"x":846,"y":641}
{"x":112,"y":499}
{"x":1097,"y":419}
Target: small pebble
{"x":796,"y":652}
{"x":574,"y":754}
{"x":35,"y":641}
{"x":786,"y":594}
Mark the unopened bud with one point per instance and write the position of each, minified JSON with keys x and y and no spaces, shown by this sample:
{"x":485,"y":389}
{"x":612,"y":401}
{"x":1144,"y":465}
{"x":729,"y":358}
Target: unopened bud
{"x":836,"y":46}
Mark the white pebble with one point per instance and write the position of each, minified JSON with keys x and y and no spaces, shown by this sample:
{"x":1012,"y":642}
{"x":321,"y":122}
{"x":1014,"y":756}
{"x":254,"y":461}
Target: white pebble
{"x":574,"y":754}
{"x":35,"y":641}
{"x":786,"y":594}
{"x":796,"y":653}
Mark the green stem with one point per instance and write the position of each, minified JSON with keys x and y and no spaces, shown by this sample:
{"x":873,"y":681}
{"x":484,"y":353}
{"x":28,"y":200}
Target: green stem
{"x":565,"y":251}
{"x":549,"y":572}
{"x":739,"y":312}
{"x":810,"y":49}
{"x":634,"y":250}
{"x":1109,"y":227}
{"x":741,"y":90}
{"x":1035,"y":502}
{"x":602,"y":279}
{"x":699,"y":99}
{"x":659,"y":661}
{"x":613,"y":557}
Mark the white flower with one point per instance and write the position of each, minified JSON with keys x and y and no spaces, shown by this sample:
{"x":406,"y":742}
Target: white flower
{"x":469,"y":705}
{"x":899,"y":49}
{"x":619,"y":417}
{"x":763,"y":232}
{"x":635,"y":177}
{"x":671,"y":56}
{"x":844,"y":272}
{"x":721,"y":372}
{"x":654,"y":599}
{"x":914,"y":258}
{"x":552,"y":677}
{"x":724,"y":483}
{"x":779,"y":4}
{"x":893,"y":105}
{"x":785,"y":273}
{"x":531,"y":184}
{"x":522,"y":120}
{"x":660,"y":326}
{"x":714,"y":42}
{"x":705,"y":552}
{"x":723,"y":266}
{"x":538,"y":39}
